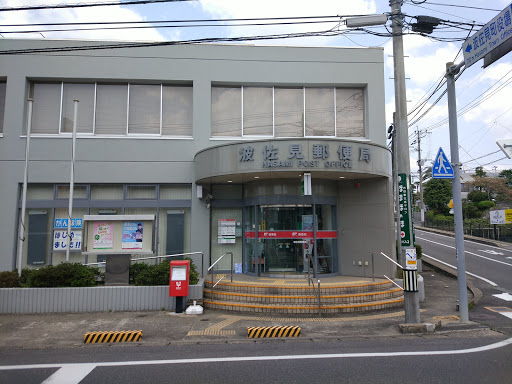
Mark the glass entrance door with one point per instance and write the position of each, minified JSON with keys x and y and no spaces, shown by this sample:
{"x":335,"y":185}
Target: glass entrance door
{"x":285,"y":240}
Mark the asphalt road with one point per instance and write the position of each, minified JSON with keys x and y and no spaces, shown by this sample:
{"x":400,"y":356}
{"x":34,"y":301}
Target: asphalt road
{"x":484,"y":359}
{"x":488,"y":268}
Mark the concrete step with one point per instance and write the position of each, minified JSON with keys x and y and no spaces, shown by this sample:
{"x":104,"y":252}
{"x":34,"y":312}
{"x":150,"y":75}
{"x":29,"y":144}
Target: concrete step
{"x":308,"y":299}
{"x":299,"y":289}
{"x":303,"y":308}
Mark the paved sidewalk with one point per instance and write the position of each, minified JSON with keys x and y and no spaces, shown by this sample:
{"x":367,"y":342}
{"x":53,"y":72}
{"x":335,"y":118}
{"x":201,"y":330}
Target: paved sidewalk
{"x":37,"y":331}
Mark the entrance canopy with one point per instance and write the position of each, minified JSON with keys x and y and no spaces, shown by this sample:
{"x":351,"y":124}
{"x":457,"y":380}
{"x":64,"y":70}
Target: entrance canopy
{"x":287,"y":158}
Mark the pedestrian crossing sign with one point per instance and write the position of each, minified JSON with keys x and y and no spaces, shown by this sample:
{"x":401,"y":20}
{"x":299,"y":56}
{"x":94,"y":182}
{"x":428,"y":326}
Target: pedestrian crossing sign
{"x":442,"y":168}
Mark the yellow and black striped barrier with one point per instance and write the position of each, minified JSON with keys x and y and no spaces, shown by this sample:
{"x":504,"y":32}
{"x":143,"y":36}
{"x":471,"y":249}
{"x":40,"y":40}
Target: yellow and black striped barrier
{"x":260,"y":332}
{"x":112,"y":337}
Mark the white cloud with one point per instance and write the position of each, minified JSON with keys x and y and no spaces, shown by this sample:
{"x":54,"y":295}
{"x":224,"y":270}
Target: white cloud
{"x":74,"y":15}
{"x":285,"y":8}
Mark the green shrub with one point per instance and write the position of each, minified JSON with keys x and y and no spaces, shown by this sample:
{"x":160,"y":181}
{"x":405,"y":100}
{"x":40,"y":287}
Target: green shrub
{"x":63,"y":275}
{"x":10,"y":279}
{"x":430,"y":215}
{"x":483,"y":205}
{"x":419,"y":251}
{"x":477,"y":196}
{"x":136,"y":269}
{"x":159,"y":274}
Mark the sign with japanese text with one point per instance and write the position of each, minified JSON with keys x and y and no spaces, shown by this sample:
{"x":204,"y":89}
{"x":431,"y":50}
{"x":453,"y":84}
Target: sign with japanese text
{"x":403,"y":204}
{"x":489,"y":37}
{"x":61,"y":240}
{"x":503,"y":216}
{"x":63,"y":223}
{"x":322,"y":155}
{"x":103,"y":233}
{"x":226,"y":231}
{"x":132,"y":235}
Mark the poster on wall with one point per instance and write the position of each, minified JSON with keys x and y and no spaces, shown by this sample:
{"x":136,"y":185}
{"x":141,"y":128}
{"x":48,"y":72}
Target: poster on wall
{"x":226,"y":231}
{"x":103,"y":235}
{"x":132,"y":235}
{"x":60,"y":240}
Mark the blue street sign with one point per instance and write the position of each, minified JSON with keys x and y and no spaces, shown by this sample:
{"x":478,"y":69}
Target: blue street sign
{"x":442,"y":168}
{"x":489,"y":37}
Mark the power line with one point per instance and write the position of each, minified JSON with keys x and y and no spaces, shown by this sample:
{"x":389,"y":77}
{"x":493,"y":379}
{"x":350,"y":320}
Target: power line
{"x":82,"y":5}
{"x":456,"y":5}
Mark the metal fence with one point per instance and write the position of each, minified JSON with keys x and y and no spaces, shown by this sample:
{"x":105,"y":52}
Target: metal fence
{"x":498,"y":232}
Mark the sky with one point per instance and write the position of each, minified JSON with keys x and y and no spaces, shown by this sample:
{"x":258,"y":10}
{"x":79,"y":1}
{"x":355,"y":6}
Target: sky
{"x":486,"y":90}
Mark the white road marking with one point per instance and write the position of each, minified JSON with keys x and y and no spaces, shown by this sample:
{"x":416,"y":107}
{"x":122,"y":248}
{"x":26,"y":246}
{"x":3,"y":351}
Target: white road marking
{"x":80,"y":369}
{"x":70,"y":374}
{"x":467,"y":273}
{"x":468,"y":241}
{"x":504,"y":296}
{"x":491,"y":252}
{"x":469,"y":253}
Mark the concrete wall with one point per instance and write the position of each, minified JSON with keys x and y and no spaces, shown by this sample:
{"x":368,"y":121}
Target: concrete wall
{"x":365,"y":226}
{"x":91,"y":299}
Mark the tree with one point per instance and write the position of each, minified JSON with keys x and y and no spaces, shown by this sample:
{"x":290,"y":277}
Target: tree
{"x":479,"y":172}
{"x":494,"y":187}
{"x":506,"y":175}
{"x":437,"y":194}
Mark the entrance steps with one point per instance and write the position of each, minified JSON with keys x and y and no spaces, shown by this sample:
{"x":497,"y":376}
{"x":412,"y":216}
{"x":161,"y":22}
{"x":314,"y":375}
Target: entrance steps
{"x":292,"y":297}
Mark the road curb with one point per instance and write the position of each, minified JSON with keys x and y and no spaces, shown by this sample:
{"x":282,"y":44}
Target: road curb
{"x":477,"y":293}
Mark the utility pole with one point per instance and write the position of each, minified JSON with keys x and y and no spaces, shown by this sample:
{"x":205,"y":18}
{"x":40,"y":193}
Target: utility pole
{"x":420,"y":164}
{"x":411,"y":296}
{"x":451,"y":71}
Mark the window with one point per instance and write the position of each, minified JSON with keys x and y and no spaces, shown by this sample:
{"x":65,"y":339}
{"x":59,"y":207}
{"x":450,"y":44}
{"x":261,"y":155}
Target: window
{"x":84,"y":93}
{"x":350,"y":112}
{"x":319,"y":111}
{"x":2,"y":105}
{"x":112,"y":109}
{"x":144,"y":111}
{"x":176,"y":111}
{"x":46,"y":107}
{"x":226,"y":111}
{"x":289,"y":112}
{"x":258,"y":111}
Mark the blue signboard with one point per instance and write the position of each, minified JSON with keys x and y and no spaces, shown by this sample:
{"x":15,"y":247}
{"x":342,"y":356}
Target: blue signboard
{"x":63,"y":223}
{"x":442,"y":168}
{"x":489,"y":37}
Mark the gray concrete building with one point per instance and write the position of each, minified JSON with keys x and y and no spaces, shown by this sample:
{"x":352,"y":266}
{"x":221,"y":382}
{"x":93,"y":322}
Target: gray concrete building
{"x":275,"y":153}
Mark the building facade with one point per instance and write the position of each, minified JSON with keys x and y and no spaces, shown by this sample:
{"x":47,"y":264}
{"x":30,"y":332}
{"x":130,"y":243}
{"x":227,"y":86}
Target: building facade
{"x":276,"y":154}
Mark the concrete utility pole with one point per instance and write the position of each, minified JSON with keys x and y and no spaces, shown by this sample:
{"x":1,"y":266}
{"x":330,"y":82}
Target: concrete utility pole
{"x":451,"y":71}
{"x":412,"y":304}
{"x":420,"y":164}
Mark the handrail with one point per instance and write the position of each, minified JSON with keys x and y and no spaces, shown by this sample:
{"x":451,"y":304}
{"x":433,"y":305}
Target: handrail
{"x":161,"y":257}
{"x":394,"y":262}
{"x":310,"y":282}
{"x":211,"y":267}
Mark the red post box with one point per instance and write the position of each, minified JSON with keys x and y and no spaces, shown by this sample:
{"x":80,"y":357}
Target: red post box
{"x":179,"y":277}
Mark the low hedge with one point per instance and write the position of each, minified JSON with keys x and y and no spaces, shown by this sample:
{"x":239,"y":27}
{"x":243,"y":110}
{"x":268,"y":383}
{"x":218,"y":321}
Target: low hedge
{"x":145,"y":274}
{"x":61,"y":275}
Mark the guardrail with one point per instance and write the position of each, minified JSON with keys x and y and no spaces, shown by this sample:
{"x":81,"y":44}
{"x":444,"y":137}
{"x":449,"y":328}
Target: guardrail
{"x":213,"y":265}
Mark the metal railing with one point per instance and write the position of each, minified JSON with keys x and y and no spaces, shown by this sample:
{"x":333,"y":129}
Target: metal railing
{"x":211,"y":269}
{"x":316,"y":292}
{"x":394,"y":262}
{"x":162,"y":257}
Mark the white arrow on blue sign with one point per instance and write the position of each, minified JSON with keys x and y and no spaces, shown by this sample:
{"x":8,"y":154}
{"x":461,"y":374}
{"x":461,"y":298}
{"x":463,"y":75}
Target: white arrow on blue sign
{"x":489,"y":37}
{"x":442,"y":168}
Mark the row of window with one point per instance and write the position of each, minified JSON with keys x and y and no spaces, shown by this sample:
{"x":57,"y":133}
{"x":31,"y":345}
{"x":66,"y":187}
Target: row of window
{"x":166,"y":110}
{"x":288,"y":112}
{"x":112,"y":109}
